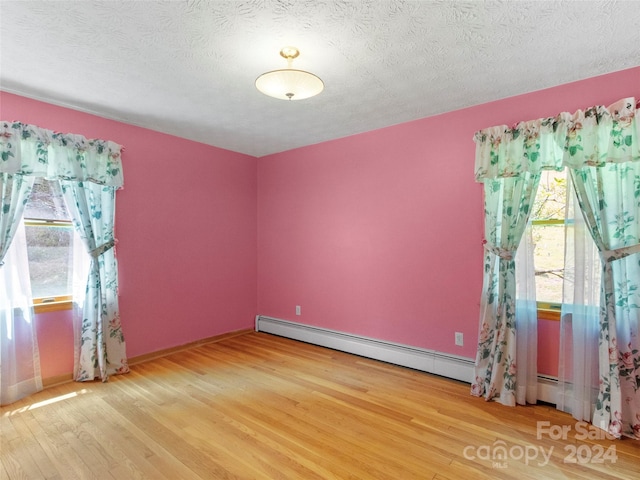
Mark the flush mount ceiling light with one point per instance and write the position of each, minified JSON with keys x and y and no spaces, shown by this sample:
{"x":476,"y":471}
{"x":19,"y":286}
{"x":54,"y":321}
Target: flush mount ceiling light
{"x":289,"y":83}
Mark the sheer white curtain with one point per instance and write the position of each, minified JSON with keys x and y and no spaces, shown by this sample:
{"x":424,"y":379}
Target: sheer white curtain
{"x":578,"y":380}
{"x":20,"y":364}
{"x":526,"y":323}
{"x":19,"y":356}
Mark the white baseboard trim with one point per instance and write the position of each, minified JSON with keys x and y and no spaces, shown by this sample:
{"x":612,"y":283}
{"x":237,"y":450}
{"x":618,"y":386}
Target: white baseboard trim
{"x":430,"y":361}
{"x":451,"y":366}
{"x":547,"y":387}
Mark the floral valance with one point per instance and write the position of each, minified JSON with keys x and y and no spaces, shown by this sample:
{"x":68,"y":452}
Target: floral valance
{"x":592,"y":137}
{"x":30,"y":150}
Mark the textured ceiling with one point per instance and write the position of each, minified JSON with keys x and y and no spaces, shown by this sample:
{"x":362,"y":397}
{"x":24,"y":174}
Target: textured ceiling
{"x":188,"y":67}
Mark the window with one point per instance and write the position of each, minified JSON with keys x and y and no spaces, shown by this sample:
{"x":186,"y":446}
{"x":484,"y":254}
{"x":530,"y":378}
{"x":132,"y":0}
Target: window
{"x":50,"y":238}
{"x":548,"y":224}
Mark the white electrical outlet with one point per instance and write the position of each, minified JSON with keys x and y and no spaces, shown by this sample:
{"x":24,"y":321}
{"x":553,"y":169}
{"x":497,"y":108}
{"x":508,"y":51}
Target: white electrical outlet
{"x":459,"y":339}
{"x":298,"y":310}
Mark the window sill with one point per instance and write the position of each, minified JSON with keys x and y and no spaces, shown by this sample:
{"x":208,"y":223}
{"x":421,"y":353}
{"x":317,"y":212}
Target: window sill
{"x":548,"y":314}
{"x":52,"y":305}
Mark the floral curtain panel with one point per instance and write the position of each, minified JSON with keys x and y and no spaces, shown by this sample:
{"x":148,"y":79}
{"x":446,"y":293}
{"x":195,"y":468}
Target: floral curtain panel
{"x":507,"y":206}
{"x":610,"y":198}
{"x":30,"y":150}
{"x":601,"y":147}
{"x":102,"y":347}
{"x":90,"y":171}
{"x":605,"y":157}
{"x":506,"y":157}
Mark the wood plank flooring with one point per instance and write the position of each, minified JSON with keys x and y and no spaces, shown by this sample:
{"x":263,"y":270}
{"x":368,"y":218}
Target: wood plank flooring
{"x":256,"y":406}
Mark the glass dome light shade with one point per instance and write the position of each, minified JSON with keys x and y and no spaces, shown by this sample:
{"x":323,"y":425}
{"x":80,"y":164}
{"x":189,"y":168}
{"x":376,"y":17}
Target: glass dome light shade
{"x":289,"y":84}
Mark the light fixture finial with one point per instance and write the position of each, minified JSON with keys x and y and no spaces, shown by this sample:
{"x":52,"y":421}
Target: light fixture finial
{"x":289,"y":52}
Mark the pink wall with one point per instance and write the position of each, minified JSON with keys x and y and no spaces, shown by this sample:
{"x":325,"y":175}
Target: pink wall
{"x":55,"y":342}
{"x":548,"y":347}
{"x":377,"y":234}
{"x":380,"y":234}
{"x":186,"y":225}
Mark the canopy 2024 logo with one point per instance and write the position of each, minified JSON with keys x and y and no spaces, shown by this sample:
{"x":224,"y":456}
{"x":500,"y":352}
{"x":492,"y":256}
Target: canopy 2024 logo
{"x":500,"y":453}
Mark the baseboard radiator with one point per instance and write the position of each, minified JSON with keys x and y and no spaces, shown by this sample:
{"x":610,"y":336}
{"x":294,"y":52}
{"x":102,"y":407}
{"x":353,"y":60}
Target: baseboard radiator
{"x":430,"y":361}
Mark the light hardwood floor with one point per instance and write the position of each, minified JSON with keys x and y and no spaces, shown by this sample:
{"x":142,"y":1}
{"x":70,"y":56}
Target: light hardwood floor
{"x":256,"y":406}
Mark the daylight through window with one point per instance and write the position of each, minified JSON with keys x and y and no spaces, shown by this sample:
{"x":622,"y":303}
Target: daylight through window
{"x":50,"y":235}
{"x":548,"y":223}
